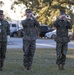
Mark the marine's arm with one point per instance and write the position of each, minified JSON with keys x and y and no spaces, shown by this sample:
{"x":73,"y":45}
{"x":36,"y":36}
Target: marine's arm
{"x":23,"y":23}
{"x":8,"y":28}
{"x":69,"y":25}
{"x":55,"y":24}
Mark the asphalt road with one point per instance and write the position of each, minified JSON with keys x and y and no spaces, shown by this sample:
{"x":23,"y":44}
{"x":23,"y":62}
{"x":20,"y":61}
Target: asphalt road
{"x":40,"y":43}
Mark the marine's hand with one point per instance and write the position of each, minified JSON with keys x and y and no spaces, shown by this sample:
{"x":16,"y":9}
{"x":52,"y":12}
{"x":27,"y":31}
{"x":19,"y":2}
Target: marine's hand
{"x":34,"y":15}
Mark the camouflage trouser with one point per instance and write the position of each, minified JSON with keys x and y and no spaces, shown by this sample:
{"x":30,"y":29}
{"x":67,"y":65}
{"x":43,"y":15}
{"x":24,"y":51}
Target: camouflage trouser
{"x":61,"y":50}
{"x":3,"y":46}
{"x":29,"y":47}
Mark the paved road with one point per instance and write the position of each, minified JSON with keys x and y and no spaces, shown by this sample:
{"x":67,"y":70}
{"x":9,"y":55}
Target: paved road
{"x":40,"y":43}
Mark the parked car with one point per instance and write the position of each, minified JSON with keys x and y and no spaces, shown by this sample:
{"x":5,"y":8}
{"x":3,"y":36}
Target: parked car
{"x":13,"y":34}
{"x":20,"y":32}
{"x":43,"y":30}
{"x":13,"y":29}
{"x":53,"y":34}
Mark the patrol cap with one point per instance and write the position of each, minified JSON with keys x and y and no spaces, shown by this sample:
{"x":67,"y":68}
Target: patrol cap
{"x":1,"y":12}
{"x":28,"y":11}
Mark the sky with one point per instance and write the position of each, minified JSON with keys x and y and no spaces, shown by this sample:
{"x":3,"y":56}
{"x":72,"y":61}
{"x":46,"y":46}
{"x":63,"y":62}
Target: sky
{"x":19,"y":10}
{"x":7,"y":4}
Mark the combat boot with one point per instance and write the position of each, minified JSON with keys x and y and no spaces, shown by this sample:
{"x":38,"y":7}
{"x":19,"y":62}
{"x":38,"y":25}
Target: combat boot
{"x":23,"y":68}
{"x":62,"y":67}
{"x":28,"y":68}
{"x":59,"y":67}
{"x":0,"y":68}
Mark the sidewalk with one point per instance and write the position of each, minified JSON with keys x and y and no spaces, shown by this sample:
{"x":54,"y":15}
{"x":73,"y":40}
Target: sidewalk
{"x":40,"y":43}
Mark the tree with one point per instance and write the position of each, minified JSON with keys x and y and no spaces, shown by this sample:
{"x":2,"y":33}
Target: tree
{"x":1,"y":4}
{"x":46,"y":9}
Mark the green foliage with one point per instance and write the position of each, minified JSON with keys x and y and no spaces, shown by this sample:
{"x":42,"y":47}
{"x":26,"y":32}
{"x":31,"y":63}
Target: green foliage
{"x":47,"y":9}
{"x":1,"y":4}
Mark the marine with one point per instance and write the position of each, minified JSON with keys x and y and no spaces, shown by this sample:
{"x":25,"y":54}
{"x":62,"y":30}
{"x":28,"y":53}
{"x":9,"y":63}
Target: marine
{"x":62,"y":38}
{"x":4,"y":33}
{"x":30,"y":24}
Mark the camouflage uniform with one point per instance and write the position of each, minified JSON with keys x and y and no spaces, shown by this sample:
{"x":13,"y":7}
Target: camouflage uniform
{"x":29,"y":40}
{"x":4,"y":31}
{"x":62,"y":39}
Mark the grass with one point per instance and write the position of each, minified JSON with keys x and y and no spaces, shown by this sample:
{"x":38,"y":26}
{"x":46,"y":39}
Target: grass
{"x":43,"y":63}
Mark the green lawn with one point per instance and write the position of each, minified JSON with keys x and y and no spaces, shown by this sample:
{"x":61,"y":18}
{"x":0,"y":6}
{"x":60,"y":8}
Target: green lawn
{"x":43,"y":64}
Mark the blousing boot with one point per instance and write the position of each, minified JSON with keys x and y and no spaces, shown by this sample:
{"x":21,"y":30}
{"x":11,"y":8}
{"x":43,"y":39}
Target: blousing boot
{"x":0,"y":66}
{"x":62,"y":67}
{"x":59,"y":67}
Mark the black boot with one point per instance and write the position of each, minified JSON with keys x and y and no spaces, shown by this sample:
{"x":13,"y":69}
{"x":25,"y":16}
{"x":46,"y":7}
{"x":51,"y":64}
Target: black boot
{"x":1,"y":65}
{"x":28,"y":67}
{"x":0,"y":68}
{"x":59,"y":67}
{"x":62,"y":67}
